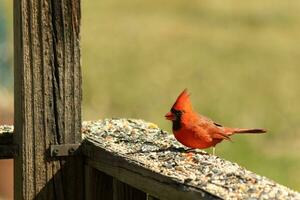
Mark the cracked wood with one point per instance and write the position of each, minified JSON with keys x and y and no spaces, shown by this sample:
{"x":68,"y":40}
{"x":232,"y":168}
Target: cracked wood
{"x":47,"y":97}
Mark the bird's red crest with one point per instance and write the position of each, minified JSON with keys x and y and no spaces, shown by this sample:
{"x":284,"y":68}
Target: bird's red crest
{"x":183,"y":101}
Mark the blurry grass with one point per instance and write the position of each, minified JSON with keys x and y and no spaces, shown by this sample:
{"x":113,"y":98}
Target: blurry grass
{"x":240,"y":60}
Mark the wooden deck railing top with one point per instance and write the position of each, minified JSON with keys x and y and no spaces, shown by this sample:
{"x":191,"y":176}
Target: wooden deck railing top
{"x":140,"y":154}
{"x":141,"y":149}
{"x":7,"y":149}
{"x":6,"y":134}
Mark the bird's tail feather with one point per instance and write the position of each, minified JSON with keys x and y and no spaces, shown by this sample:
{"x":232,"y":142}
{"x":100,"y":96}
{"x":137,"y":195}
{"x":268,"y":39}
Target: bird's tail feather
{"x":252,"y":130}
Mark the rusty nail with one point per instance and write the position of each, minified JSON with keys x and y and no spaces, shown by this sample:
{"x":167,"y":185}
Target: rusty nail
{"x":71,"y":150}
{"x":55,"y":151}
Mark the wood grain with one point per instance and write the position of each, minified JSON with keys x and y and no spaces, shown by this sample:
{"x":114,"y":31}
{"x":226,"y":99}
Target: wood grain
{"x":8,"y":151}
{"x":123,"y":191}
{"x":98,"y":185}
{"x":47,"y":97}
{"x":6,"y":137}
{"x":127,"y":171}
{"x":149,"y":197}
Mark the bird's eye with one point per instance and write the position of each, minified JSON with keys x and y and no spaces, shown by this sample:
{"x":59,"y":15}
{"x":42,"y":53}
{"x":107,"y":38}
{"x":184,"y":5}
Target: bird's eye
{"x":178,"y":113}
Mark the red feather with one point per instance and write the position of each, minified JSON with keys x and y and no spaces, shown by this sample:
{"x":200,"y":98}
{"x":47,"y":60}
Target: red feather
{"x":196,"y":131}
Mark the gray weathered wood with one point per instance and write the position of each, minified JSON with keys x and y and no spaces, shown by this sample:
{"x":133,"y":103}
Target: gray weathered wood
{"x":47,"y":97}
{"x":139,"y":177}
{"x":140,"y":154}
{"x":123,"y":191}
{"x":149,"y":197}
{"x":8,"y":151}
{"x":7,"y":148}
{"x":6,"y":136}
{"x":98,"y":185}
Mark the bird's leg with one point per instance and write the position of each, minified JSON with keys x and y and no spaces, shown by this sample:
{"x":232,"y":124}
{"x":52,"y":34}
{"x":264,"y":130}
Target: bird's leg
{"x":189,"y":153}
{"x":190,"y":150}
{"x":214,"y":151}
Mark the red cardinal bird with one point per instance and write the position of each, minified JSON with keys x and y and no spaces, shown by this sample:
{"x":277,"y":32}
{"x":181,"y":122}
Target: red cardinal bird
{"x":196,"y":131}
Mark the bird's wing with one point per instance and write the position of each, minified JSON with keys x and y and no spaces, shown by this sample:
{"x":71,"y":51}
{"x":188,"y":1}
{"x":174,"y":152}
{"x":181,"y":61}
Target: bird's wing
{"x":215,"y":130}
{"x":219,"y":125}
{"x":221,"y":135}
{"x":201,"y":133}
{"x":208,"y":120}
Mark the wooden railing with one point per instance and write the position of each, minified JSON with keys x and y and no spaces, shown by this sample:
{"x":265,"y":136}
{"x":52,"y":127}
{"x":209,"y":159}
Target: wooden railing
{"x":117,"y":158}
{"x":134,"y":159}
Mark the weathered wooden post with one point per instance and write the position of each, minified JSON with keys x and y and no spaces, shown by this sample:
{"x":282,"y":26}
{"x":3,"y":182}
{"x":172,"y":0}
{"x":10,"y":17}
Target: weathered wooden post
{"x":47,"y":99}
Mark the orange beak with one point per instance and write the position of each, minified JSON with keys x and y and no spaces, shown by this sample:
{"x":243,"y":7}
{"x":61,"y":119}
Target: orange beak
{"x":169,"y":116}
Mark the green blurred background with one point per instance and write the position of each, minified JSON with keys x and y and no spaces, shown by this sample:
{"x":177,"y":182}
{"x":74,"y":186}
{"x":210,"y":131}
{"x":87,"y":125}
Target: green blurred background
{"x":239,"y":59}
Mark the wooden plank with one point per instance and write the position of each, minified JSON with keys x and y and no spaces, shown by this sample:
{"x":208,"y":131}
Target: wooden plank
{"x":6,"y":134}
{"x":7,"y":148}
{"x":8,"y":151}
{"x":139,"y":177}
{"x":140,"y":154}
{"x":47,"y":92}
{"x":123,"y":191}
{"x":150,"y":197}
{"x":98,"y":185}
